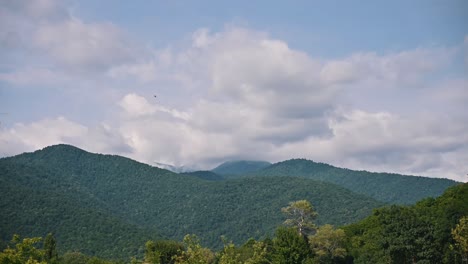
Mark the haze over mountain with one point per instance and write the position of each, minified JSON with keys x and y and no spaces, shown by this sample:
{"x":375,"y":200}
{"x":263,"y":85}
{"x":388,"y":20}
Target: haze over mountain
{"x":60,"y":188}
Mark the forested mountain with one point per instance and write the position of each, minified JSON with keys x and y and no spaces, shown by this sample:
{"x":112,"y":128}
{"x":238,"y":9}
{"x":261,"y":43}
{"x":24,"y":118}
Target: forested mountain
{"x":116,"y":202}
{"x":36,"y":200}
{"x":240,"y":167}
{"x":205,"y":175}
{"x":386,"y":187}
{"x":432,"y":231}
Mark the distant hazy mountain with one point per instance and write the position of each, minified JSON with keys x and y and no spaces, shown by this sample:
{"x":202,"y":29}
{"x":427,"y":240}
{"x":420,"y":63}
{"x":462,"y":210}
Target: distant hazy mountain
{"x":386,"y":187}
{"x":108,"y":205}
{"x":240,"y":167}
{"x":176,"y":169}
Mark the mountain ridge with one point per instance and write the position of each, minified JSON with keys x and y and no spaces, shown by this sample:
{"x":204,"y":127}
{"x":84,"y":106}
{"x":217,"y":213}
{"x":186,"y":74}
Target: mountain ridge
{"x":383,"y":186}
{"x":239,"y":167}
{"x":137,"y":195}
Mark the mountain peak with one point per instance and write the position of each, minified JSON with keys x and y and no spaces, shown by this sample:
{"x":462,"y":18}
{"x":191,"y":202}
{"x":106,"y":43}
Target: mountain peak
{"x":238,"y":167}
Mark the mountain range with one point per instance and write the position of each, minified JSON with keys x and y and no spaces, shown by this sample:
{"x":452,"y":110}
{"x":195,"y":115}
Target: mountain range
{"x":95,"y":203}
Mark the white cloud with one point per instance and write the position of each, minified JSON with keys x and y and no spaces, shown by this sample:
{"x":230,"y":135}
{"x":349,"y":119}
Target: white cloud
{"x":360,"y":140}
{"x":392,"y":69}
{"x":28,"y":137}
{"x":46,"y":132}
{"x":255,"y":98}
{"x":82,"y":45}
{"x":387,"y":142}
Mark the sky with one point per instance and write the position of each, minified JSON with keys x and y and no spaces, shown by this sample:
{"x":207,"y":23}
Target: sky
{"x":368,"y":85}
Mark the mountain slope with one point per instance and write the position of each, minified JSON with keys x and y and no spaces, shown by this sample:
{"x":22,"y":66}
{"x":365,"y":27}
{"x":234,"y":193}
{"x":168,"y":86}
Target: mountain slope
{"x":205,"y":175}
{"x":144,"y":199}
{"x":386,"y":187}
{"x":32,"y":204}
{"x":240,"y":167}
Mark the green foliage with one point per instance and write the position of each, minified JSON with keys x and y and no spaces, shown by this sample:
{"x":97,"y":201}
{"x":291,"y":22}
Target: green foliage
{"x":80,"y":258}
{"x":414,"y":234}
{"x":460,"y":235}
{"x":289,"y":247}
{"x":432,"y":231}
{"x":260,"y":253}
{"x":162,"y":251}
{"x":108,"y":206}
{"x":328,"y":244}
{"x":385,"y":187}
{"x":252,"y":252}
{"x":205,"y":175}
{"x":194,"y":253}
{"x":240,"y":167}
{"x":229,"y":254}
{"x":50,"y":249}
{"x":23,"y":251}
{"x":300,"y":214}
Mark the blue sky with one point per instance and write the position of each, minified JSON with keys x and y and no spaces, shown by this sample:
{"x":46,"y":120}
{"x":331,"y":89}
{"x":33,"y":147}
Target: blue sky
{"x":374,"y":85}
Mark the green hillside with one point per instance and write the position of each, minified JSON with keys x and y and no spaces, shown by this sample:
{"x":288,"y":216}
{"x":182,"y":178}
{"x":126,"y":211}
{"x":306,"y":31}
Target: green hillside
{"x":205,"y":175}
{"x":385,"y":187}
{"x":91,"y":198}
{"x":240,"y":167}
{"x":34,"y":202}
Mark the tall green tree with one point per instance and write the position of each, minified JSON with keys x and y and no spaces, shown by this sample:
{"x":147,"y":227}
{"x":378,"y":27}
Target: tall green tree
{"x":151,"y":255}
{"x":300,"y":214}
{"x":229,"y":254}
{"x":289,"y":247}
{"x":50,"y":249}
{"x":162,"y":251}
{"x":194,"y":253}
{"x":328,"y":244}
{"x":460,"y":235}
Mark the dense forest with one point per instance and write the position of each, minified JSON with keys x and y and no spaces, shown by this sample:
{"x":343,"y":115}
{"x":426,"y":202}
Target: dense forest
{"x":72,"y":193}
{"x":109,"y":207}
{"x":386,"y":187}
{"x":240,"y":167}
{"x":432,"y":231}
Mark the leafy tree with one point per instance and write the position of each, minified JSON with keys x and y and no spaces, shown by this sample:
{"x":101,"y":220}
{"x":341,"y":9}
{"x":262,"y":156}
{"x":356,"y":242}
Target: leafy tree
{"x":300,"y":214}
{"x":151,"y":255}
{"x":229,"y":254}
{"x":74,"y":258}
{"x":289,"y":247}
{"x":80,"y":258}
{"x":460,"y":235}
{"x":421,"y":233}
{"x":50,"y":244}
{"x":23,"y":251}
{"x":162,"y":251}
{"x":194,"y":253}
{"x":260,"y":254}
{"x":328,"y":244}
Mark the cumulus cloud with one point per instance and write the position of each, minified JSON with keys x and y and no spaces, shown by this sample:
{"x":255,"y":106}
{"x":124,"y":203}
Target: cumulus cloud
{"x":393,"y":68}
{"x":378,"y":141}
{"x":36,"y":135}
{"x":20,"y":19}
{"x":253,"y":97}
{"x":82,"y":45}
{"x":46,"y":33}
